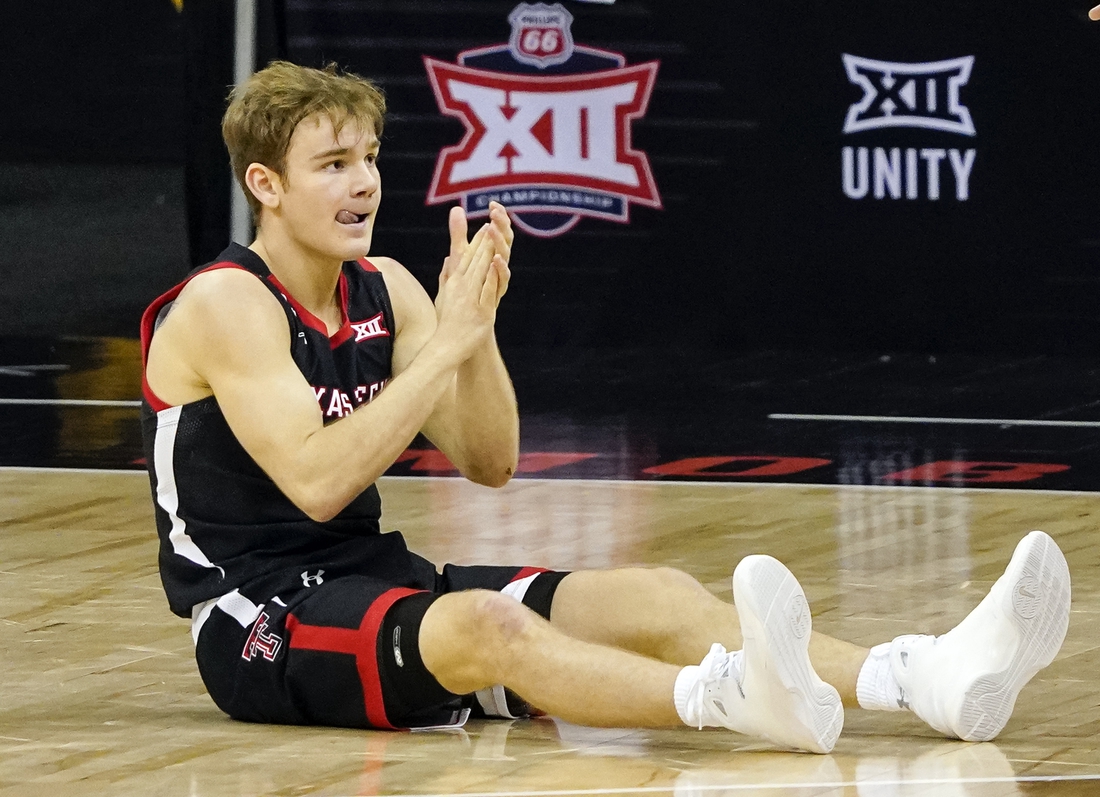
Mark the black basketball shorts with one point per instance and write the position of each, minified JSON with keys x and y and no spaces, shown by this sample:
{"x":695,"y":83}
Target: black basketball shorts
{"x":344,"y":650}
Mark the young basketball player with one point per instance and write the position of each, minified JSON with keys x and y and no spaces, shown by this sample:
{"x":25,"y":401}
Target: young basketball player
{"x":283,"y":379}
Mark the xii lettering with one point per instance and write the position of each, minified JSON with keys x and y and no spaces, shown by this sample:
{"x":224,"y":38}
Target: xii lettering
{"x":564,"y":130}
{"x":572,"y":141}
{"x":371,"y":328}
{"x":895,"y":94}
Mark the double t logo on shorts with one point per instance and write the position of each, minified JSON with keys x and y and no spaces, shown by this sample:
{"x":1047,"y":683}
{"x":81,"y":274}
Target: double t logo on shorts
{"x":260,"y":641}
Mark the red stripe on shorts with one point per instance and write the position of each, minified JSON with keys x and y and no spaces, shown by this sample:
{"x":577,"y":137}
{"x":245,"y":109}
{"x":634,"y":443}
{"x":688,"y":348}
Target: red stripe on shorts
{"x":361,"y":642}
{"x":528,"y":572}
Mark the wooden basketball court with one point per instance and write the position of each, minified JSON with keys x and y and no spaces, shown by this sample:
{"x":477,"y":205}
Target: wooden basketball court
{"x":100,"y":694}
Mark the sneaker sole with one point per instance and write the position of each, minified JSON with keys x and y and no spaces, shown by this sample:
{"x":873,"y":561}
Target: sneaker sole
{"x":774,"y":615}
{"x":1037,"y":603}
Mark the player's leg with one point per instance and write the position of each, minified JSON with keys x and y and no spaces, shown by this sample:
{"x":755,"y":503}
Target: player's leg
{"x":471,"y":640}
{"x":474,"y":639}
{"x":359,"y":652}
{"x":666,"y":614}
{"x":965,"y":682}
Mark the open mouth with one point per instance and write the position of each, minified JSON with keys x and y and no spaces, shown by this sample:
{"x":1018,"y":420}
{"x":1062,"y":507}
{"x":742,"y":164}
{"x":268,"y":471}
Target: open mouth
{"x":347,"y":217}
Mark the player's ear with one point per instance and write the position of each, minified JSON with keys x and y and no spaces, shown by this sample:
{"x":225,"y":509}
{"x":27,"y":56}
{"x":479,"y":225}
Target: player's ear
{"x":264,"y":183}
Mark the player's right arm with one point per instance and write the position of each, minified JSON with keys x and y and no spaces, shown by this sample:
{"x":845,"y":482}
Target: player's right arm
{"x":227,"y":336}
{"x":1094,"y":14}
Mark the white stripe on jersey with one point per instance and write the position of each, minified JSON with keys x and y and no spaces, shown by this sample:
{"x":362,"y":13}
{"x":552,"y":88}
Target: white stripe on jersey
{"x":232,"y":603}
{"x":164,"y":447}
{"x":518,"y":589}
{"x":239,"y":608}
{"x":200,"y":613}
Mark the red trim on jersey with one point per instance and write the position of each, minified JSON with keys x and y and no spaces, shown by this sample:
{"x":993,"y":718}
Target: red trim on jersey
{"x":360,"y":642}
{"x":149,"y":319}
{"x":308,"y":318}
{"x":313,"y":322}
{"x":527,"y":572}
{"x":366,"y":265}
{"x":344,"y":334}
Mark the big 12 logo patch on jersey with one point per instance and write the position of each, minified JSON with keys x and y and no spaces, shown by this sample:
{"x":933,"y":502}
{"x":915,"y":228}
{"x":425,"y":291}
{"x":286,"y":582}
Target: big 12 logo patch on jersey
{"x":548,"y":126}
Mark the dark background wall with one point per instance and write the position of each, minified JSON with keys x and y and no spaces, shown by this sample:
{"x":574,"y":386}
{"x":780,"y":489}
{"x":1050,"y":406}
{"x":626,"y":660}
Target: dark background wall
{"x":1016,"y":265}
{"x":756,"y":245}
{"x":91,"y":163}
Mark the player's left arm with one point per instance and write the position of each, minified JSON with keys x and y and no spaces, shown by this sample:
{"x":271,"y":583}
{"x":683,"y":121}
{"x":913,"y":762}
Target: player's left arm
{"x":1094,"y":14}
{"x":476,"y":421}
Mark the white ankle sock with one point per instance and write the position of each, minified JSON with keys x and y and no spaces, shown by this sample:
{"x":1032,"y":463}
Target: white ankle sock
{"x":685,"y":683}
{"x":876,"y":686}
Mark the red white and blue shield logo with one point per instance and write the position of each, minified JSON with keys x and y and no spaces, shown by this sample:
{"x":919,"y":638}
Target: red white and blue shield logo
{"x":548,"y":127}
{"x":542,"y":35}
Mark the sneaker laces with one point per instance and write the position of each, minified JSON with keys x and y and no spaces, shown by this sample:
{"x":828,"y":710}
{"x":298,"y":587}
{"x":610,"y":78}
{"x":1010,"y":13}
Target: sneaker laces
{"x":715,"y":666}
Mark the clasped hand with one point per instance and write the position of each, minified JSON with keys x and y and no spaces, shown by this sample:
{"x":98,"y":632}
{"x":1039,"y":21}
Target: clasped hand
{"x":475,"y":275}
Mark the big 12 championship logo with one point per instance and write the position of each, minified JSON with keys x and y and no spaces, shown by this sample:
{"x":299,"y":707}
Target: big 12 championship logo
{"x":547,"y":127}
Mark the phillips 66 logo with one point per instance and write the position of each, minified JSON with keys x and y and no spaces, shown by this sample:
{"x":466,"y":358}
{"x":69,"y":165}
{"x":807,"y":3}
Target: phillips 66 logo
{"x":548,"y":127}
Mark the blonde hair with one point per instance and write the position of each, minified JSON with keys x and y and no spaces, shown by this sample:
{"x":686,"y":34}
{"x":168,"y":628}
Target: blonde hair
{"x":264,"y":111}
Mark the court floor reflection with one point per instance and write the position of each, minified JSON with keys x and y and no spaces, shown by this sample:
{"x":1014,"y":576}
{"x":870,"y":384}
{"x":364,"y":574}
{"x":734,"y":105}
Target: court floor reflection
{"x":100,"y":693}
{"x":546,"y":757}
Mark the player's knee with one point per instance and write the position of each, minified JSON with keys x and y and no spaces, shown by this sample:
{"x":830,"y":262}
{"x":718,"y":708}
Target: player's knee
{"x":472,"y":639}
{"x":662,"y":581}
{"x":500,"y":622}
{"x":671,"y":578}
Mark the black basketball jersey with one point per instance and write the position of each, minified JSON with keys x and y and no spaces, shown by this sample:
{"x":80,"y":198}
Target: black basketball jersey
{"x":222,"y":521}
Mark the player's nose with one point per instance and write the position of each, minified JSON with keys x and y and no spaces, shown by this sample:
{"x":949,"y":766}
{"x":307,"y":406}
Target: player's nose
{"x":364,"y":180}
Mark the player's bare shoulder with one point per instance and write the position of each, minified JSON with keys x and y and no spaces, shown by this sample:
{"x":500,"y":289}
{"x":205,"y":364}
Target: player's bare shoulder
{"x":407,"y":295}
{"x":398,"y":278}
{"x":413,"y":311}
{"x":218,"y":318}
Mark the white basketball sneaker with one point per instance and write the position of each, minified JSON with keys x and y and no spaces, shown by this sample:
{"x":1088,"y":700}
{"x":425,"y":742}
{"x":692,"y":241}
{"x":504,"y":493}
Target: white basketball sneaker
{"x":770,"y":688}
{"x":964,"y":683}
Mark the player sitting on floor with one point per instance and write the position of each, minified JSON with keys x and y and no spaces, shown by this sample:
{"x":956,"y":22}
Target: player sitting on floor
{"x":284,"y":378}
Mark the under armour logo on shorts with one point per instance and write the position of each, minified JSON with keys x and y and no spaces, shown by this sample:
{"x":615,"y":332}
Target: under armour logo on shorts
{"x":314,"y":580}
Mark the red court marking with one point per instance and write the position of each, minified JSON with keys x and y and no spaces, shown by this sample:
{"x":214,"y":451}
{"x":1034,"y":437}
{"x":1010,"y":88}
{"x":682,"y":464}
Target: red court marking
{"x":426,"y":459}
{"x":538,"y":461}
{"x":975,"y":472}
{"x":374,"y":759}
{"x":772,"y":466}
{"x":429,"y":459}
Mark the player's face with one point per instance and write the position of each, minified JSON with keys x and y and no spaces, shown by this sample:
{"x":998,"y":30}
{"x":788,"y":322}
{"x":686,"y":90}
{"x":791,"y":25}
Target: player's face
{"x":332,"y":187}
